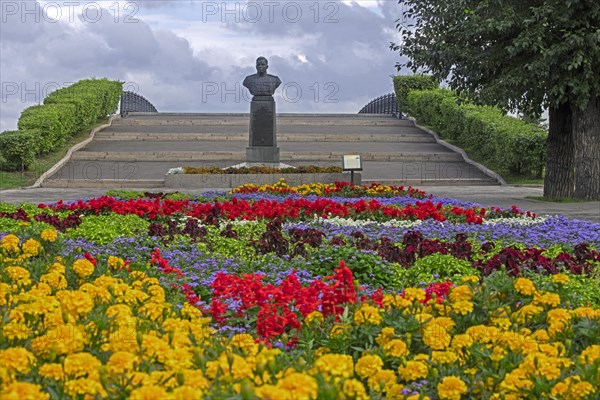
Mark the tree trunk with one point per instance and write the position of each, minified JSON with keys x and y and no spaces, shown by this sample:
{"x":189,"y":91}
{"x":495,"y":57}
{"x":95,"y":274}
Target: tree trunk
{"x":586,"y":135}
{"x":560,"y":170}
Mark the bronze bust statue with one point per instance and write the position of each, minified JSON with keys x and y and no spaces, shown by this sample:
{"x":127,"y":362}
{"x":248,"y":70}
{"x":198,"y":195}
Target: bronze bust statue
{"x":261,"y":83}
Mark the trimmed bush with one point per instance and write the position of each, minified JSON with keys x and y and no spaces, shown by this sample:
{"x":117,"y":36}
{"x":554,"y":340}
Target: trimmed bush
{"x":18,"y":149}
{"x":403,"y":84}
{"x":506,"y":143}
{"x":56,"y":123}
{"x":64,"y":113}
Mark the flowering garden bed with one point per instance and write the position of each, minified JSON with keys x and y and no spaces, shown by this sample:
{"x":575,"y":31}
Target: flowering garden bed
{"x":276,"y":292}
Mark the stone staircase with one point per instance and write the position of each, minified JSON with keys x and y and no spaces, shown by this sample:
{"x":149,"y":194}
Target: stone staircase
{"x":138,"y":150}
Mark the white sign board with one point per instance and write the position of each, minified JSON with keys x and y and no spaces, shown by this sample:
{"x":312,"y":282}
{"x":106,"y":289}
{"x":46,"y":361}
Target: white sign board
{"x":351,"y":162}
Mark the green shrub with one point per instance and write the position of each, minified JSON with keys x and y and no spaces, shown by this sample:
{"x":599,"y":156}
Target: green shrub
{"x":508,"y":144}
{"x":18,"y":149}
{"x":56,"y":123}
{"x":65,"y":113}
{"x":104,"y":229}
{"x":435,"y":268}
{"x":403,"y":84}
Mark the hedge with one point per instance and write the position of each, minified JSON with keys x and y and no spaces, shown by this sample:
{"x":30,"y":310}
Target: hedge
{"x":65,"y":113}
{"x":506,"y":143}
{"x":403,"y":84}
{"x":18,"y":149}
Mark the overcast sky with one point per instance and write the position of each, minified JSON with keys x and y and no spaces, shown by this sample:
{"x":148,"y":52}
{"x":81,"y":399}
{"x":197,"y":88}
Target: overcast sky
{"x":191,"y":56}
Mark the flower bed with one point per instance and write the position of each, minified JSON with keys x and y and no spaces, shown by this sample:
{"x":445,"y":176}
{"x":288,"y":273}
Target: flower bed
{"x":275,"y":292}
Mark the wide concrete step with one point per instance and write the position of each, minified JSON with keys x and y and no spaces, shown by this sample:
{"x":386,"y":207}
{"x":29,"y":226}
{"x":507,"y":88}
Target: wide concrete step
{"x":281,"y":137}
{"x":240,"y":156}
{"x":103,"y":183}
{"x":142,"y":119}
{"x":135,"y":147}
{"x":114,"y":130}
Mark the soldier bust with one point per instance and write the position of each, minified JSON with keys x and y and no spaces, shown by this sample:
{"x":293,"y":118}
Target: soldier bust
{"x":261,"y":83}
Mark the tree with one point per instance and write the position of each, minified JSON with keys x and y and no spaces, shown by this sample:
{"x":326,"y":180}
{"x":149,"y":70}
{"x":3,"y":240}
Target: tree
{"x":522,"y":55}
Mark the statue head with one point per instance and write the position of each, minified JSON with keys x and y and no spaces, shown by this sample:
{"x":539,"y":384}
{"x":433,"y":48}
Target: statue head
{"x":261,"y":65}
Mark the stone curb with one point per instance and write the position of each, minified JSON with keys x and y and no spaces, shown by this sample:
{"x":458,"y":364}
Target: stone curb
{"x":464,"y":155}
{"x":70,"y":152}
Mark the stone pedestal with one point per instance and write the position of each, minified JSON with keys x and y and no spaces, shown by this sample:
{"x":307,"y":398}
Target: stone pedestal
{"x":262,"y":148}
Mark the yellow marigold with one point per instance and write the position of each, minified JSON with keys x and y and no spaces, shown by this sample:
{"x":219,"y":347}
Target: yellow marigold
{"x":83,"y":267}
{"x":498,"y":353}
{"x":385,"y":336}
{"x":463,"y":307}
{"x":149,"y":392}
{"x":460,"y":293}
{"x":80,"y":365}
{"x":84,"y":387}
{"x":335,"y":365}
{"x":560,"y":278}
{"x":451,"y":388}
{"x":353,"y":389}
{"x":396,"y":348}
{"x":541,"y":335}
{"x":115,"y":262}
{"x":229,"y":365}
{"x":445,"y":322}
{"x":17,"y":360}
{"x":368,"y":365}
{"x":436,"y":337}
{"x":314,"y":317}
{"x":524,"y":286}
{"x":31,"y":247}
{"x":194,"y":378}
{"x":75,"y":302}
{"x":187,"y":393}
{"x":395,"y":392}
{"x":443,"y":357}
{"x":382,"y":380}
{"x":52,"y":371}
{"x":590,"y":354}
{"x":245,"y":342}
{"x":367,"y":314}
{"x":18,"y":275}
{"x":413,"y":370}
{"x":470,"y":279}
{"x":586,"y":312}
{"x":22,"y":390}
{"x":546,"y":299}
{"x":49,"y":235}
{"x":10,"y":243}
{"x":55,"y":280}
{"x":15,"y":331}
{"x":154,"y":310}
{"x":399,"y":302}
{"x":482,"y":333}
{"x":526,"y":313}
{"x":321,"y":351}
{"x":57,"y":267}
{"x":413,"y":294}
{"x":299,"y":386}
{"x":4,"y":292}
{"x":191,"y":312}
{"x":121,"y":362}
{"x":270,"y":392}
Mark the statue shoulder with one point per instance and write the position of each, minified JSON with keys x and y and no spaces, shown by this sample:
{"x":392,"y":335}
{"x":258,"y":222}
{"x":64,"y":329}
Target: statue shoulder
{"x":275,"y":77}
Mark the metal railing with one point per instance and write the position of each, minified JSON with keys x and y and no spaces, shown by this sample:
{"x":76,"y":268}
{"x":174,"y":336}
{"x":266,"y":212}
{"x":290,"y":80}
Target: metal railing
{"x":133,"y":102}
{"x":385,"y":104}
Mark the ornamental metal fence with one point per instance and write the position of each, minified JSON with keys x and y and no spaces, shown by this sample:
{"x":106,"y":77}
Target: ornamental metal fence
{"x":133,"y":102}
{"x":385,"y":104}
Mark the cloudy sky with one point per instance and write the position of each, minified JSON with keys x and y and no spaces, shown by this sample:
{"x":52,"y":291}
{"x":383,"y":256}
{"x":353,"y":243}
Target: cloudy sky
{"x":191,"y":56}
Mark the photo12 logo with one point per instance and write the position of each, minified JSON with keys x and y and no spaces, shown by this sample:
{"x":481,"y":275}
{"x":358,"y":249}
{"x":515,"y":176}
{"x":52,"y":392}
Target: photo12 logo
{"x":68,"y":11}
{"x":290,"y":92}
{"x":36,"y":92}
{"x":270,"y":11}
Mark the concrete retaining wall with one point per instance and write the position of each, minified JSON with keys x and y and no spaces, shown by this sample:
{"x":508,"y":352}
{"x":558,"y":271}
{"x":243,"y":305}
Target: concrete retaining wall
{"x":194,"y":181}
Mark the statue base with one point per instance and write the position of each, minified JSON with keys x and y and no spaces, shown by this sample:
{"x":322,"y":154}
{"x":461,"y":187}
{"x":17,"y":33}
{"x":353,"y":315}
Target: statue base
{"x":262,"y":155}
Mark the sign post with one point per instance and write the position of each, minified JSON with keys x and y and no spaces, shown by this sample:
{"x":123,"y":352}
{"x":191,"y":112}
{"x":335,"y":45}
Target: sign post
{"x":351,"y":162}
